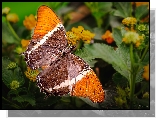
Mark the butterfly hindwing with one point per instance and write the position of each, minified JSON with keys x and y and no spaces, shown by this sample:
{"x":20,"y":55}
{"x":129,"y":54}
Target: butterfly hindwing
{"x":71,"y":75}
{"x":84,"y":81}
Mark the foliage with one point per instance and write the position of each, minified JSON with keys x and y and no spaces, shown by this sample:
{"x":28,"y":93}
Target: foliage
{"x":127,"y":53}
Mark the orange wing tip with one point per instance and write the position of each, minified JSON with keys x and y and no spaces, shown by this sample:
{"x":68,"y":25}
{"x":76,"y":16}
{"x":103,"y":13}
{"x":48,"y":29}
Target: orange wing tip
{"x":89,"y":86}
{"x":47,"y":20}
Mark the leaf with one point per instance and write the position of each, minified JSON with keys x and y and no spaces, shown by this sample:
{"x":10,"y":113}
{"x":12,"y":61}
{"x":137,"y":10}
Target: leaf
{"x":124,"y":9}
{"x":79,"y":102}
{"x":123,"y":51}
{"x":141,"y":12}
{"x":66,"y":99}
{"x":11,"y":75}
{"x":25,"y":98}
{"x":105,"y":6}
{"x":107,"y":53}
{"x":7,"y":35}
{"x":84,"y":54}
{"x":19,"y":76}
{"x":117,"y":36}
{"x":119,"y":58}
{"x":17,"y":91}
{"x":139,"y":77}
{"x":146,"y":59}
{"x":89,"y":102}
{"x":7,"y":75}
{"x":12,"y":92}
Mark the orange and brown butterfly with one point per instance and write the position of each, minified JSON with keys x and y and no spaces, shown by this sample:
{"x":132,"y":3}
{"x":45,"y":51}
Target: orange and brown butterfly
{"x":63,"y":72}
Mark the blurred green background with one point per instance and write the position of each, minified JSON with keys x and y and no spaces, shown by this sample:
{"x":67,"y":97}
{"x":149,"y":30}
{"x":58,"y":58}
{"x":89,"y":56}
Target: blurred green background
{"x":22,"y":9}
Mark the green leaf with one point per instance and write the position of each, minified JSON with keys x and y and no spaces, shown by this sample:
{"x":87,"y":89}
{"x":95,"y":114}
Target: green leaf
{"x":17,"y":91}
{"x":66,"y":99}
{"x":117,"y":36}
{"x":11,"y":75}
{"x":7,"y":35}
{"x":89,"y":102}
{"x":12,"y":92}
{"x":119,"y":58}
{"x":105,"y":6}
{"x":141,"y":12}
{"x":123,"y":51}
{"x":19,"y":76}
{"x":107,"y":53}
{"x":139,"y":77}
{"x":124,"y":9}
{"x":7,"y":75}
{"x":79,"y":102}
{"x":146,"y":59}
{"x":25,"y":98}
{"x":84,"y":54}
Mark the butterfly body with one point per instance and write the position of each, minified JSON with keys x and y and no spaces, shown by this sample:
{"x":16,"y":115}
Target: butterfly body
{"x":63,"y":73}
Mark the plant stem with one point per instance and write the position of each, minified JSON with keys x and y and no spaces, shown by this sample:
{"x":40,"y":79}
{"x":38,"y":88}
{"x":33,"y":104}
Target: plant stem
{"x":29,"y":86}
{"x":12,"y":30}
{"x":132,"y":76}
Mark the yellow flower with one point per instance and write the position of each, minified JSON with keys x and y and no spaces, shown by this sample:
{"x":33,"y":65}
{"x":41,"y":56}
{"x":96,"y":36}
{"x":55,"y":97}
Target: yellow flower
{"x":138,"y":43}
{"x":25,"y":43}
{"x":12,"y":17}
{"x":79,"y":33}
{"x":108,"y":37}
{"x":78,"y":30}
{"x":30,"y":22}
{"x":146,"y":72}
{"x":31,"y":74}
{"x":131,"y":37}
{"x":5,"y":10}
{"x":14,"y":84}
{"x":72,"y":38}
{"x":129,"y":21}
{"x":87,"y":36}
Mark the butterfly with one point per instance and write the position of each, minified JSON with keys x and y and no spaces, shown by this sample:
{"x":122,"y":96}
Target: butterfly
{"x":62,"y":72}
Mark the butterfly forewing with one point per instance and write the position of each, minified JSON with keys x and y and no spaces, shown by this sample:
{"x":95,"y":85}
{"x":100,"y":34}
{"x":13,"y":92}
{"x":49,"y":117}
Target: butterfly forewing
{"x":48,"y":40}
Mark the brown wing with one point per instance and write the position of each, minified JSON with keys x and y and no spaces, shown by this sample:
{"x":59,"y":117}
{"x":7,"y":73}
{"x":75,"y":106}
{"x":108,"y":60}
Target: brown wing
{"x":71,"y":75}
{"x":48,"y":40}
